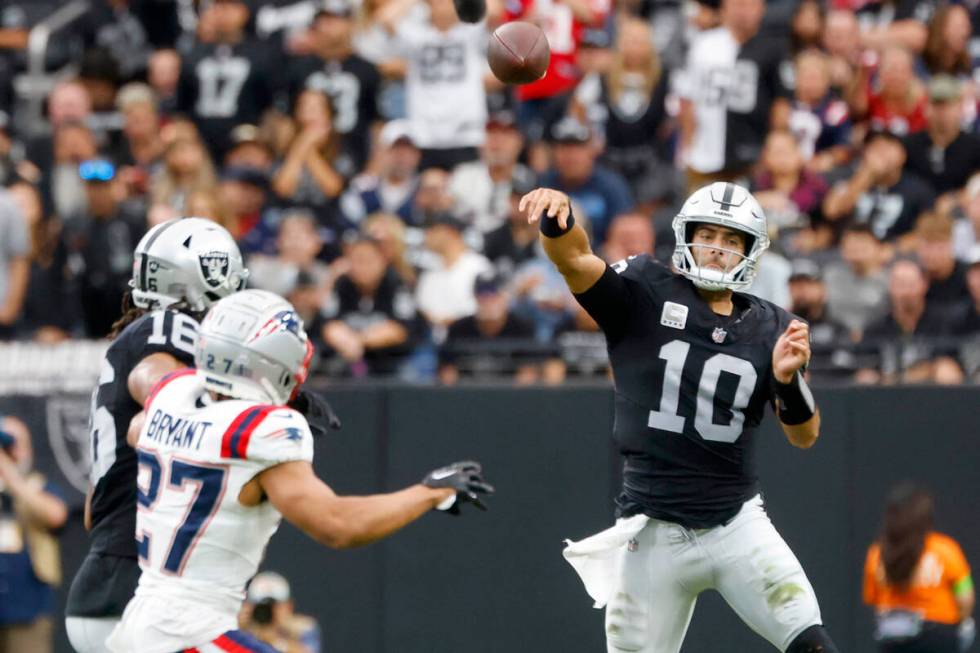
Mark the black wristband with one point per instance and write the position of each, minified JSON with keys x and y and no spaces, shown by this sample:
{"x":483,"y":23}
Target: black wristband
{"x":795,"y":401}
{"x":551,"y":229}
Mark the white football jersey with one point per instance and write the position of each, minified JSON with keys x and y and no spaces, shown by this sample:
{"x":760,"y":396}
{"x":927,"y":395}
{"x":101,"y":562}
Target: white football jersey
{"x":198,"y":545}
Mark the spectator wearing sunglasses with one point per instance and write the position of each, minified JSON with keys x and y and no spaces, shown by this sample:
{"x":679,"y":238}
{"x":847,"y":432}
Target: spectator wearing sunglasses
{"x":100,"y":243}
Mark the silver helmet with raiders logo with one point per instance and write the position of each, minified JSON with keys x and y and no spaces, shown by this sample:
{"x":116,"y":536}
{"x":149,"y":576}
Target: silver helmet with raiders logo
{"x":193,"y":261}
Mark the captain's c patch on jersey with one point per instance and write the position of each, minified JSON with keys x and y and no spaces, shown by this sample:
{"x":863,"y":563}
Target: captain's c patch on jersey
{"x":674,"y":315}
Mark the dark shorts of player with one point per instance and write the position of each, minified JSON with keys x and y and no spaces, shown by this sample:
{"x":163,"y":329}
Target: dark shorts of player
{"x":934,"y":638}
{"x":103,"y":586}
{"x":234,"y":641}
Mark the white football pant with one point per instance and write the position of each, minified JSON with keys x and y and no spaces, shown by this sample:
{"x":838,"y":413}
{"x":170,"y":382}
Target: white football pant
{"x":656,"y":574}
{"x":88,"y":634}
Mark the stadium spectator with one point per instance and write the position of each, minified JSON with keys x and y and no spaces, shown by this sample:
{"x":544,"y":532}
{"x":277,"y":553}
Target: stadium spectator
{"x":31,"y":512}
{"x":581,"y":347}
{"x":889,"y":95}
{"x":819,"y":120}
{"x":911,"y":343}
{"x":187,"y":168}
{"x":390,"y":233}
{"x":141,"y":148}
{"x":61,"y":186}
{"x":493,"y":342}
{"x":392,"y":189}
{"x":228,"y":77}
{"x":967,"y":325}
{"x":630,"y":234}
{"x":890,"y":22}
{"x":943,"y":154}
{"x":946,"y":276}
{"x":244,"y":192}
{"x":626,"y":106}
{"x":371,"y":318}
{"x":351,"y":82}
{"x":841,"y":41}
{"x":732,"y":95}
{"x":857,"y":285}
{"x":543,"y":103}
{"x":313,"y":174}
{"x":163,"y":74}
{"x":249,"y":148}
{"x":482,"y":188}
{"x":432,"y":197}
{"x":14,"y":263}
{"x":966,"y":229}
{"x":947,"y":49}
{"x":100,"y":244}
{"x":445,"y":291}
{"x":516,"y":241}
{"x":600,"y":192}
{"x":68,"y":103}
{"x":829,"y":339}
{"x":789,"y":193}
{"x":298,"y":244}
{"x":877,"y":191}
{"x":807,"y":25}
{"x":268,"y":613}
{"x":445,"y":95}
{"x":115,"y":26}
{"x":99,"y":74}
{"x":918,"y":580}
{"x":50,"y":310}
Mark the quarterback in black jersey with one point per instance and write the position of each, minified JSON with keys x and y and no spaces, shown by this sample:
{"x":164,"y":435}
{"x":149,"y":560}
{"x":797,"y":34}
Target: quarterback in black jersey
{"x":180,"y":269}
{"x":695,"y":364}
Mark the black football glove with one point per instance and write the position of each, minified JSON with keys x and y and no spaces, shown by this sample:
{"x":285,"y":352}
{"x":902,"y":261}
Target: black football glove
{"x":317,"y":412}
{"x":471,"y":11}
{"x":466,"y":478}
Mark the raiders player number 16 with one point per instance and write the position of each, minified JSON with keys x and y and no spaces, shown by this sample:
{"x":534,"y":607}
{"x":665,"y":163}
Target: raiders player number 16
{"x":695,"y":363}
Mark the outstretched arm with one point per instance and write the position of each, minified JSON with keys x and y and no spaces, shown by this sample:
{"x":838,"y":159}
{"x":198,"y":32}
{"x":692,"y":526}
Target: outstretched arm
{"x":344,"y":522}
{"x":568,"y":249}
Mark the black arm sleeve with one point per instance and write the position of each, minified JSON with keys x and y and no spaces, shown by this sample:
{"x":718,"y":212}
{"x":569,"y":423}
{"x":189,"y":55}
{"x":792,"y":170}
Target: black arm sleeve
{"x":609,"y":302}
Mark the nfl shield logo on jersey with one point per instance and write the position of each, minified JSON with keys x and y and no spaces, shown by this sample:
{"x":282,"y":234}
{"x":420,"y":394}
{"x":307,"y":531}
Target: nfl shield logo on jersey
{"x":214,"y":267}
{"x":718,"y":335}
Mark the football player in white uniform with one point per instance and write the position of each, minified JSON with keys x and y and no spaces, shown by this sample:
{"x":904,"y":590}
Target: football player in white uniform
{"x":221,"y":460}
{"x":180,"y":268}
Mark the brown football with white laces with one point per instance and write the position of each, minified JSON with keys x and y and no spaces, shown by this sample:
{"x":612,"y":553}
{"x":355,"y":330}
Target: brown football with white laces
{"x":518,"y":53}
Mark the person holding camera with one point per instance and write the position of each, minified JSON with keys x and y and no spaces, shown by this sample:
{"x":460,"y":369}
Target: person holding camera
{"x":31,"y":510}
{"x":268,"y":615}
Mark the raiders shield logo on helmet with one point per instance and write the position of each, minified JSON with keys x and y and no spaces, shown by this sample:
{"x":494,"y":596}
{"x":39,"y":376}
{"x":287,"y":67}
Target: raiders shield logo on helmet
{"x":214,"y":267}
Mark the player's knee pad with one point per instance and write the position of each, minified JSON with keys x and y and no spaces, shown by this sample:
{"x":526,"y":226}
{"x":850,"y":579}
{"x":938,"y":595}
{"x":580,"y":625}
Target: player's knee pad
{"x":626,"y":624}
{"x":812,"y":640}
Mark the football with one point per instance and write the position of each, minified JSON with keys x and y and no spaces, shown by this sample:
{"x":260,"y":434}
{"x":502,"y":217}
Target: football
{"x":518,"y":53}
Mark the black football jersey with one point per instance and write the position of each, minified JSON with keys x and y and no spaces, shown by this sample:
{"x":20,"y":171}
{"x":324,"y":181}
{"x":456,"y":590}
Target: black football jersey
{"x":113,"y":472}
{"x":691,"y":389}
{"x":222,"y":86}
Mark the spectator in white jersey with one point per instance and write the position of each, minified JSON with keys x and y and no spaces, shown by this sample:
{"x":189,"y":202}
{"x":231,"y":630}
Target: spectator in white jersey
{"x":445,"y":292}
{"x":446,"y":98}
{"x":481,"y":188}
{"x":732,"y":94}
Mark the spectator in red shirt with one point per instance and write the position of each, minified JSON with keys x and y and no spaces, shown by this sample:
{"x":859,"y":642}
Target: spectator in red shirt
{"x":894,"y":100}
{"x":564,"y":21}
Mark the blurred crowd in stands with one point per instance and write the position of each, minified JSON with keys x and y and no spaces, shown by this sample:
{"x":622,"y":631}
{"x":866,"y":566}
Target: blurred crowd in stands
{"x":370,"y":166}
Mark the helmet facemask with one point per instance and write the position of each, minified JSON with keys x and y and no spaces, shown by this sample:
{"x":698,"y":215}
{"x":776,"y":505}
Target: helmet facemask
{"x":731,"y":207}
